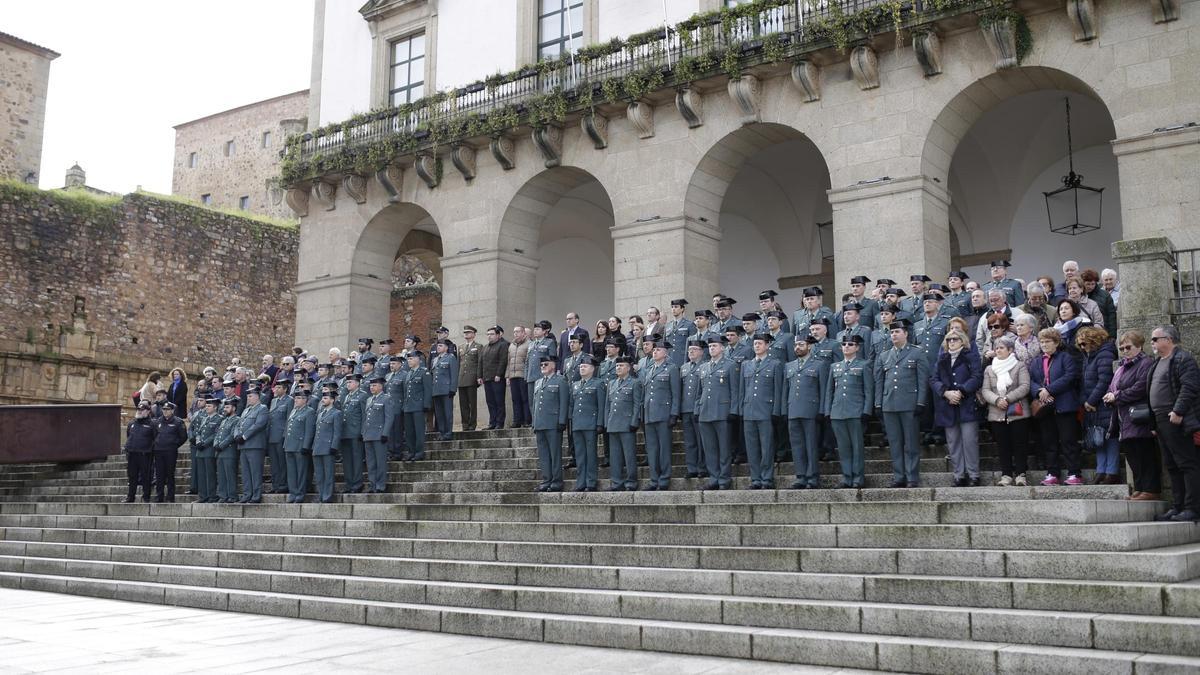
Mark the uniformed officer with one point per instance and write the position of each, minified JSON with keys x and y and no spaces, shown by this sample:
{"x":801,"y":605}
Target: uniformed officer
{"x":227,"y":452}
{"x":384,"y":360}
{"x":541,"y":344}
{"x":394,"y":388}
{"x":170,"y":435}
{"x":229,"y":393}
{"x":364,"y":351}
{"x":678,"y":330}
{"x":738,"y":351}
{"x":1014,"y":295}
{"x":762,"y":403}
{"x":805,"y":381}
{"x":367,"y":369}
{"x":766,"y":305}
{"x":204,"y":451}
{"x":689,"y":391}
{"x":297,"y":445}
{"x":725,"y":317}
{"x":647,"y":357}
{"x":194,"y":423}
{"x":325,"y":375}
{"x":881,"y":338}
{"x":277,"y":413}
{"x":661,"y":389}
{"x":750,"y":323}
{"x":575,"y":354}
{"x":418,"y":399}
{"x":828,"y":350}
{"x":621,"y":421}
{"x":469,"y":378}
{"x":351,"y":443}
{"x":719,"y":398}
{"x":588,"y":405}
{"x":917,"y":288}
{"x":705,"y":321}
{"x":928,"y":334}
{"x":551,"y":407}
{"x":852,"y":325}
{"x":444,"y":371}
{"x":901,"y":394}
{"x":958,"y":297}
{"x":139,"y":445}
{"x":325,"y":440}
{"x":378,"y":411}
{"x":894,"y":296}
{"x":813,"y":308}
{"x":849,"y":395}
{"x":781,"y":340}
{"x":252,"y":443}
{"x":858,"y":294}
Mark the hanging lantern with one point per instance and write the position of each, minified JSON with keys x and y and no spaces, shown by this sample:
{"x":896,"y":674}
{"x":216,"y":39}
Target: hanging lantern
{"x":1073,"y":208}
{"x":825,"y":234}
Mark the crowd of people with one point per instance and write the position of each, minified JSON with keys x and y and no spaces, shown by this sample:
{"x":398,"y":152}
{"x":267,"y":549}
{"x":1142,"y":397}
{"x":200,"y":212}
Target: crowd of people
{"x":1041,"y":366}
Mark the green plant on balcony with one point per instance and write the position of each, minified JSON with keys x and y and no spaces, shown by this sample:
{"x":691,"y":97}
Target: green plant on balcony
{"x":641,"y":82}
{"x":1021,"y":32}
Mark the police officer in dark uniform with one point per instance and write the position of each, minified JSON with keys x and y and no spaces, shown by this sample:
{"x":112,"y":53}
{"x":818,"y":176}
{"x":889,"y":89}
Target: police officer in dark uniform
{"x":297,"y":445}
{"x":959,"y":298}
{"x":689,"y":387}
{"x":139,"y":444}
{"x":169,"y":437}
{"x":678,"y":330}
{"x":551,"y":407}
{"x":623,"y":417}
{"x":719,"y":399}
{"x":661,"y":389}
{"x":805,"y":381}
{"x":418,"y":400}
{"x":351,"y":443}
{"x":901,"y":377}
{"x":588,"y":405}
{"x":849,"y":396}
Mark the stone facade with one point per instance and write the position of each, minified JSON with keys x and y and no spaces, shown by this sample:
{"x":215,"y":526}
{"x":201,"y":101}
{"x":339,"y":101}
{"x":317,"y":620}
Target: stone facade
{"x":888,"y":150}
{"x":245,"y":169}
{"x":108,"y":289}
{"x":24,"y":80}
{"x":415,"y":310}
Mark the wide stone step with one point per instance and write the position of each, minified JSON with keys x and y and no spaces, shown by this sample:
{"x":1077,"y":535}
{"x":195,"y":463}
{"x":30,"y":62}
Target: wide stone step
{"x":842,"y":649}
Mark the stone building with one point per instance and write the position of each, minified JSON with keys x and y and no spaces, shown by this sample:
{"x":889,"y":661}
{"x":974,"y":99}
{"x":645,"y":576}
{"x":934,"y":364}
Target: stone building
{"x":24,"y":81}
{"x":773,"y":145}
{"x":230,"y":159}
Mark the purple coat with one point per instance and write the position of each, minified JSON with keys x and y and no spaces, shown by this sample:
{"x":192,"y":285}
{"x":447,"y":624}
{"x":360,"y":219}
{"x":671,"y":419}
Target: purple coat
{"x":1131,"y":386}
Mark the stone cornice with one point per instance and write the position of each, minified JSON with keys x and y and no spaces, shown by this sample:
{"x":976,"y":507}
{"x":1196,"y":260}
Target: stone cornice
{"x":658,"y":225}
{"x":888,"y":186}
{"x":488,"y":255}
{"x":330,"y":281}
{"x":1156,"y":140}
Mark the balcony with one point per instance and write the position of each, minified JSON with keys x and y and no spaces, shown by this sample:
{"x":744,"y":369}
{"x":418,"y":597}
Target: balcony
{"x":764,"y":36}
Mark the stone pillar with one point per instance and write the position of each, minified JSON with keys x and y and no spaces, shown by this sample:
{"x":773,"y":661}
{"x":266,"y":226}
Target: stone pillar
{"x":483,"y":288}
{"x":336,"y":311}
{"x":662,"y":259}
{"x":1160,"y":186}
{"x":1145,"y":269}
{"x":890,"y":228}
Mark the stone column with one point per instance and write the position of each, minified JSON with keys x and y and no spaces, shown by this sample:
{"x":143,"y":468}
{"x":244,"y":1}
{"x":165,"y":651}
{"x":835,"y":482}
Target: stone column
{"x":484,"y":288}
{"x":1145,"y":268}
{"x":891,"y":228}
{"x":336,"y":311}
{"x":1160,"y":186}
{"x":664,"y":258}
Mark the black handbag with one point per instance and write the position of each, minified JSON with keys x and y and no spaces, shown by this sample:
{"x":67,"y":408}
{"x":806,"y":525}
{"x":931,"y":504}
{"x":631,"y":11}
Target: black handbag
{"x":1094,"y":435}
{"x":1139,"y":413}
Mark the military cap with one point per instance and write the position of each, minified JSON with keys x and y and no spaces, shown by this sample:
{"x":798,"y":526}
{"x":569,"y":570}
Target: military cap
{"x":723,"y":303}
{"x":231,"y":402}
{"x":612,"y":342}
{"x":447,"y":342}
{"x":751,"y":316}
{"x":823,"y":320}
{"x":662,"y":344}
{"x":469,"y":329}
{"x":357,"y":377}
{"x":387,"y":341}
{"x":263,"y":377}
{"x":679,"y":302}
{"x":717,"y":339}
{"x":885,"y":282}
{"x":813,"y":292}
{"x":442,"y":329}
{"x":144,"y":405}
{"x":326,"y":366}
{"x":1000,"y":263}
{"x":544,"y":324}
{"x":416,"y":354}
{"x":576,"y":337}
{"x":898,"y":292}
{"x":889,"y":307}
{"x":765,"y":337}
{"x":726,"y":298}
{"x":587,"y":359}
{"x":545,"y":359}
{"x":351,"y":362}
{"x":415,"y":339}
{"x":625,"y":359}
{"x":811,"y":339}
{"x":378,"y":378}
{"x":497,"y":328}
{"x":767,"y":295}
{"x":959,"y":274}
{"x":860,"y":279}
{"x":311,"y":359}
{"x":920,"y":277}
{"x":798,"y":338}
{"x":706,"y":313}
{"x":899,"y":323}
{"x":736,"y":329}
{"x":303,"y":393}
{"x":931,"y":296}
{"x":776,"y":314}
{"x":211,"y":401}
{"x":254,"y":390}
{"x":282,"y":383}
{"x":307,"y":384}
{"x":329,"y":385}
{"x":229,"y":383}
{"x":851,"y":306}
{"x":365,"y":341}
{"x":328,"y":394}
{"x":370,"y":359}
{"x":697,"y":343}
{"x":854,"y":339}
{"x":939,"y":288}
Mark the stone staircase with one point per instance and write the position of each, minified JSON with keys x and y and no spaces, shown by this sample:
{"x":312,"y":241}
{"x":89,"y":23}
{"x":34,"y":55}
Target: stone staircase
{"x":934,"y":580}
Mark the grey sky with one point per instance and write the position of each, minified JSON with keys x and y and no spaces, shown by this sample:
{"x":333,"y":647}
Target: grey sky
{"x":132,"y":69}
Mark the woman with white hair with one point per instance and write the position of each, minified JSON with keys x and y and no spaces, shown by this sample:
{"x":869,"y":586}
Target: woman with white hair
{"x":1026,"y":345}
{"x":1005,"y":391}
{"x":1037,"y":303}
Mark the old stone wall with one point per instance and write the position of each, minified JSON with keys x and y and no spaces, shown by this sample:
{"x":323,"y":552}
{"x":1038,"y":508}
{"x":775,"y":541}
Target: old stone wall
{"x":227,"y":174}
{"x":24,"y":79}
{"x":122,"y":286}
{"x":416,"y":310}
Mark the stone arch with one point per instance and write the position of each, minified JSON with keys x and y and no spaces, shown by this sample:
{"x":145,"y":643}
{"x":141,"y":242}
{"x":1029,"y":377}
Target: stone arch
{"x":521,"y":224}
{"x":425,"y":247}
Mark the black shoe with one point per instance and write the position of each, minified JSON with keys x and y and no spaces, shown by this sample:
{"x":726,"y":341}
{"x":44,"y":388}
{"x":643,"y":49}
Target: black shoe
{"x":617,"y":488}
{"x":845,"y":486}
{"x":961,"y":481}
{"x":975,"y":482}
{"x":756,"y":486}
{"x":664,"y":488}
{"x":128,"y":500}
{"x":711,"y":485}
{"x":1167,"y":515}
{"x":798,"y":485}
{"x":704,"y":474}
{"x":725,"y":487}
{"x":914,"y":485}
{"x":899,"y":484}
{"x":542,"y":488}
{"x":554,"y":488}
{"x":651,"y":488}
{"x":1186,"y":515}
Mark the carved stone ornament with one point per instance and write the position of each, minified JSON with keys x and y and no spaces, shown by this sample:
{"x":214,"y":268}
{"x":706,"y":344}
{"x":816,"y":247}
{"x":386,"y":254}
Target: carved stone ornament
{"x":505,"y":152}
{"x":806,"y":76}
{"x":391,"y":178}
{"x":1001,"y":39}
{"x":463,"y":157}
{"x":1165,"y":10}
{"x":746,"y":92}
{"x":297,"y":200}
{"x":864,"y":65}
{"x":928,"y":49}
{"x":548,"y":140}
{"x":355,"y":186}
{"x":690,"y":104}
{"x":325,"y":192}
{"x":1082,"y":14}
{"x":596,"y":128}
{"x":641,"y":115}
{"x":426,"y":166}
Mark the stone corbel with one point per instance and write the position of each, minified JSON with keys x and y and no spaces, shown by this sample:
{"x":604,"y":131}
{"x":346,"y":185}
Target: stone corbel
{"x":427,"y":170}
{"x":1082,"y":14}
{"x":355,"y":186}
{"x":746,"y":93}
{"x":928,"y":49}
{"x":595,"y":126}
{"x":690,"y":104}
{"x":548,"y":140}
{"x":463,"y":157}
{"x":641,"y":115}
{"x":864,"y":65}
{"x":325,"y":192}
{"x":297,"y":200}
{"x":391,"y":178}
{"x":806,"y":77}
{"x":1001,"y":39}
{"x":1165,"y":10}
{"x":504,"y":151}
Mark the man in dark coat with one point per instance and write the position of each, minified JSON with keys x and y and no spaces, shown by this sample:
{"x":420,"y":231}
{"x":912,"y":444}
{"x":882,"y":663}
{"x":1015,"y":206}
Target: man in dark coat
{"x":1174,"y":388}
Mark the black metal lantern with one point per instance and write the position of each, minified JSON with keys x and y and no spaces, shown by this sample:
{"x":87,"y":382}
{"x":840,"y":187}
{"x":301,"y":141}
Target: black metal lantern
{"x":825,"y":235}
{"x":1065,"y":205}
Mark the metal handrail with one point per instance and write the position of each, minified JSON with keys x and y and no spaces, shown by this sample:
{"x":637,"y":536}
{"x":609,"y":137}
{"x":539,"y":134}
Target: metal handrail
{"x":1186,"y":298}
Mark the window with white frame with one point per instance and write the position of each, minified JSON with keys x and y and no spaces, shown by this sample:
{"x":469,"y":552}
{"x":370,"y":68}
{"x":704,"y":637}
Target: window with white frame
{"x":407,"y":77}
{"x":560,"y":27}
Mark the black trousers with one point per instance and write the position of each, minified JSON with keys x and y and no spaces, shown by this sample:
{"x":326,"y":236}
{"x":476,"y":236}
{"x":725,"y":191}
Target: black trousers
{"x":1013,"y":441}
{"x":493,"y":393}
{"x":520,"y":401}
{"x":138,"y":469}
{"x":1060,"y":440}
{"x":1145,"y":463}
{"x":164,"y":473}
{"x":1180,"y":458}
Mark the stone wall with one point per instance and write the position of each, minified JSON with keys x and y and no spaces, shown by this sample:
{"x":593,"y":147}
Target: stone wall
{"x":125,"y":285}
{"x":416,"y":310}
{"x":24,"y":79}
{"x":251,"y":167}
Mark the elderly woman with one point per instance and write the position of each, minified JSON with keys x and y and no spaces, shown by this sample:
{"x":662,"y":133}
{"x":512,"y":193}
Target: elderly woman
{"x":998,"y":327}
{"x":955,"y":380}
{"x":1055,"y":384}
{"x":1099,"y":355}
{"x":1077,"y":294}
{"x":1005,"y":391}
{"x":1127,"y":389}
{"x":1037,"y":304}
{"x":1026,"y":345}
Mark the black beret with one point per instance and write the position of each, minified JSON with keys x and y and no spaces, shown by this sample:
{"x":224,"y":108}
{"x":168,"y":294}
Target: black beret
{"x":577,"y":337}
{"x":415,"y":354}
{"x":776,"y":314}
{"x":885,"y":282}
{"x":387,"y":341}
{"x":898,"y":292}
{"x":354,"y":376}
{"x":378,"y":378}
{"x":812,"y":339}
{"x":370,"y":359}
{"x":612,"y":342}
{"x":303,"y":393}
{"x":168,"y":406}
{"x":544,"y":325}
{"x":736,"y":329}
{"x":365,"y":341}
{"x":724,"y":303}
{"x":900,"y":323}
{"x":662,"y":344}
{"x":697,"y":343}
{"x":931,"y":296}
{"x":545,"y":359}
{"x":587,"y":359}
